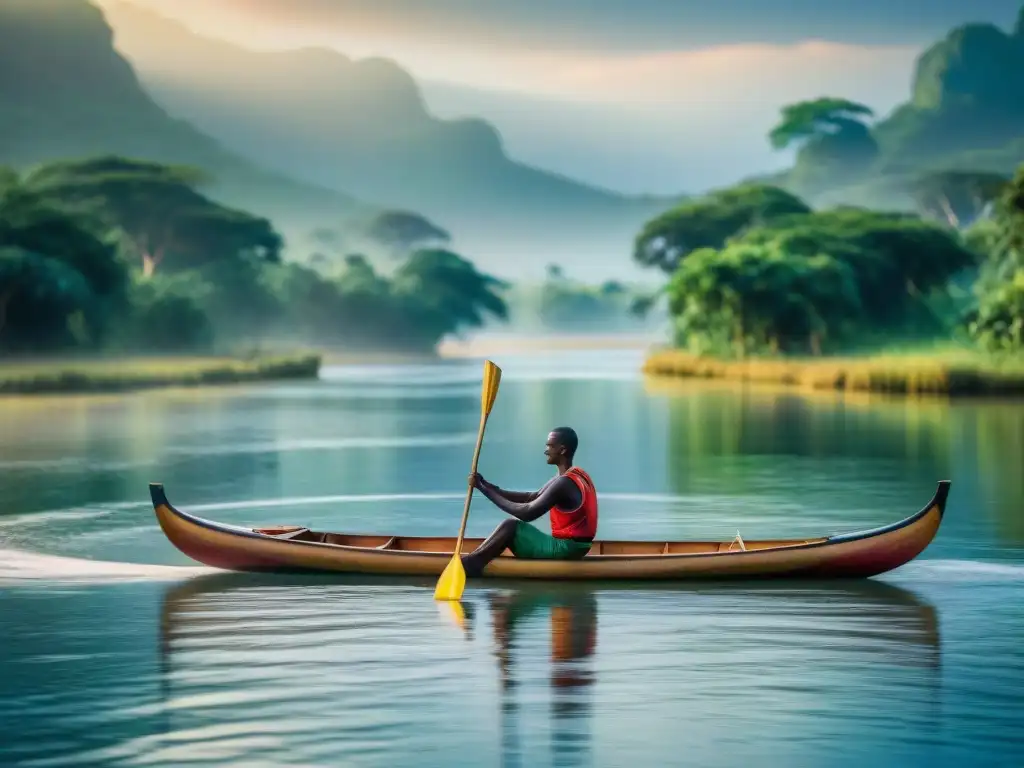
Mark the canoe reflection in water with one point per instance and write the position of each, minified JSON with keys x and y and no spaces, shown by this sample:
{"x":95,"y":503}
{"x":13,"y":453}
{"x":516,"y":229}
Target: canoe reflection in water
{"x":339,"y":663}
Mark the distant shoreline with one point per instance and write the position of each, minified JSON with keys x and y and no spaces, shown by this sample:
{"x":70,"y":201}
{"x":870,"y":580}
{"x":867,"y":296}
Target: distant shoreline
{"x":950,"y":374}
{"x":108,"y":375}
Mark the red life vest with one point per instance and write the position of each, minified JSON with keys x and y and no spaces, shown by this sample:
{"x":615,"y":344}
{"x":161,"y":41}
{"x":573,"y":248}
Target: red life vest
{"x":582,"y":521}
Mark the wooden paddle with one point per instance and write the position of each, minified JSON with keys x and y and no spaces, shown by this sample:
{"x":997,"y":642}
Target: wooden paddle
{"x":453,"y":579}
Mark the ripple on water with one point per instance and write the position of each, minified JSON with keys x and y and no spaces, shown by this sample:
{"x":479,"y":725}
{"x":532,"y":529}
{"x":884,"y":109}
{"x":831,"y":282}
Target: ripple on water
{"x":106,"y":663}
{"x":313,"y":671}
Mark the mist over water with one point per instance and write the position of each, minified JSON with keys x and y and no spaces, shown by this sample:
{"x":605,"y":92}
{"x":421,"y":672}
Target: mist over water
{"x":119,"y":650}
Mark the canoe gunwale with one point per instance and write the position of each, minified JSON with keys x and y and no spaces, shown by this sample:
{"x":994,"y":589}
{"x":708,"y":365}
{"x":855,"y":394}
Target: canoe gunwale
{"x":938,"y":500}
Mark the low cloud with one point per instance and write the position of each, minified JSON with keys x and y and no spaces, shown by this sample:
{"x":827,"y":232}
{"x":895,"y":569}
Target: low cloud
{"x":725,"y":75}
{"x":642,"y":121}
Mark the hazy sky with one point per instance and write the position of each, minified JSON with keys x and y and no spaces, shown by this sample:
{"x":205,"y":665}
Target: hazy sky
{"x":640,"y":95}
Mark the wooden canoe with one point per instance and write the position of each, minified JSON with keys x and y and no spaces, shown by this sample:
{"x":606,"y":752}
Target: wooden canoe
{"x":294,"y":548}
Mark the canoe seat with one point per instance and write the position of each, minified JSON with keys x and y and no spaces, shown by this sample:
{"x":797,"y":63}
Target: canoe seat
{"x":286,"y":534}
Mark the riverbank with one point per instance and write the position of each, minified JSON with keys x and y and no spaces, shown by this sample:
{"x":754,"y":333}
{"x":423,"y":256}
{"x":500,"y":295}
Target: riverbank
{"x":953,"y":373}
{"x":58,"y":376}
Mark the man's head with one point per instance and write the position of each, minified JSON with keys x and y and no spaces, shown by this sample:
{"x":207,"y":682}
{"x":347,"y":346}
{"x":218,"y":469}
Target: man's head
{"x":561,"y":445}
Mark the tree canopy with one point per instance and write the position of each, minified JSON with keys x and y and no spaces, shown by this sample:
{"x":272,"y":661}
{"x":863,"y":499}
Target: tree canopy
{"x":445,"y":293}
{"x":159,"y":211}
{"x":834,"y":142}
{"x":43,"y":302}
{"x":403,"y":231}
{"x":80,"y":243}
{"x":893,"y":254}
{"x":751,"y":297}
{"x":59,"y":279}
{"x":813,"y":281}
{"x":813,"y":119}
{"x":1011,"y":213}
{"x":708,"y":221}
{"x":997,"y":321}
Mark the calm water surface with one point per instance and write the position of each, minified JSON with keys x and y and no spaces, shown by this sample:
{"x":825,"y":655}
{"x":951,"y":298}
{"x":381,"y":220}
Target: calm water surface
{"x":115,"y":649}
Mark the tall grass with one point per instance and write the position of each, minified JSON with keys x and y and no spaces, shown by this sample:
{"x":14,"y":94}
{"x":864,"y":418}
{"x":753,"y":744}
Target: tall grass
{"x":118,"y":375}
{"x":949,"y":371}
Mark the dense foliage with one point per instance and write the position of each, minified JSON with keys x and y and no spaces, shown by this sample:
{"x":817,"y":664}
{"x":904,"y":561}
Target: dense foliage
{"x":561,"y":303}
{"x":814,"y":282}
{"x":754,"y":270}
{"x":709,"y":221}
{"x":113,"y":253}
{"x":997,"y":322}
{"x":835,"y":143}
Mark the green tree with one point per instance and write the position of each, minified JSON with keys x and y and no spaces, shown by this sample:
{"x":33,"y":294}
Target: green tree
{"x":748,"y":298}
{"x":43,"y":302}
{"x":709,"y":221}
{"x":35,"y":223}
{"x":834,"y":142}
{"x":896,"y":258}
{"x":999,"y":239}
{"x":441,"y":293}
{"x":329,"y":248}
{"x":354,"y":310}
{"x":567,"y":304}
{"x":58,"y":269}
{"x":403,"y":231}
{"x":311,"y":304}
{"x":241,"y":301}
{"x":168,"y":316}
{"x":159,"y":211}
{"x":808,"y":120}
{"x":998,"y":324}
{"x":1011,"y":215}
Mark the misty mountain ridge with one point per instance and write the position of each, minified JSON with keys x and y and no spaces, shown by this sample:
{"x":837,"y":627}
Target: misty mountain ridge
{"x":964,"y":111}
{"x":363,"y":126}
{"x":67,"y":93}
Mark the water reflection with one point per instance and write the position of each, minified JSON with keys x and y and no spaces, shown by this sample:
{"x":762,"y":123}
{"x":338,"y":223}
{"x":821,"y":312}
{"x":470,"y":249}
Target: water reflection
{"x":292,"y":645}
{"x":729,"y":433}
{"x":572,"y":615}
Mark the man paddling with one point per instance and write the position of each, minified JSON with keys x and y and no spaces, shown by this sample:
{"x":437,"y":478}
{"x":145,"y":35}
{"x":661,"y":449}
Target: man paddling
{"x":569,"y":498}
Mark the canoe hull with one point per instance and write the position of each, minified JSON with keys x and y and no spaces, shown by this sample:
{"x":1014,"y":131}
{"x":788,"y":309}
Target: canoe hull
{"x":855,"y":555}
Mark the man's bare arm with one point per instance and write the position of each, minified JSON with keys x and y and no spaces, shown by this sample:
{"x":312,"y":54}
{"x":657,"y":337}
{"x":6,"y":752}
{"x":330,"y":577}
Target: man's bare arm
{"x":560,"y":492}
{"x":519,"y":497}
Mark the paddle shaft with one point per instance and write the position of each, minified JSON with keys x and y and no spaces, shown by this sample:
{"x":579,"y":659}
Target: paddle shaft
{"x":469,"y":493}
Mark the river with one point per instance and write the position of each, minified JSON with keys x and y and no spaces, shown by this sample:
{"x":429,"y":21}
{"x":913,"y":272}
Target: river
{"x":115,"y":649}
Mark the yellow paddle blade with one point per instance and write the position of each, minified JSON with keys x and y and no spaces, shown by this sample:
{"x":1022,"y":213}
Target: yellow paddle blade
{"x":452,"y":581}
{"x":492,"y":378}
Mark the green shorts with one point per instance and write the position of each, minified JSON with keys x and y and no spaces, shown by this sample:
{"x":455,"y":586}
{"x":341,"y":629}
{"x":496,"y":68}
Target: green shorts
{"x":531,"y":543}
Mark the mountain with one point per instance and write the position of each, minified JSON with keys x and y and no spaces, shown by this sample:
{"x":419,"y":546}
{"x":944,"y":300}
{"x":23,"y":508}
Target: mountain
{"x":65,"y":92}
{"x":965,"y":111}
{"x":363,"y":126}
{"x":967,"y":95}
